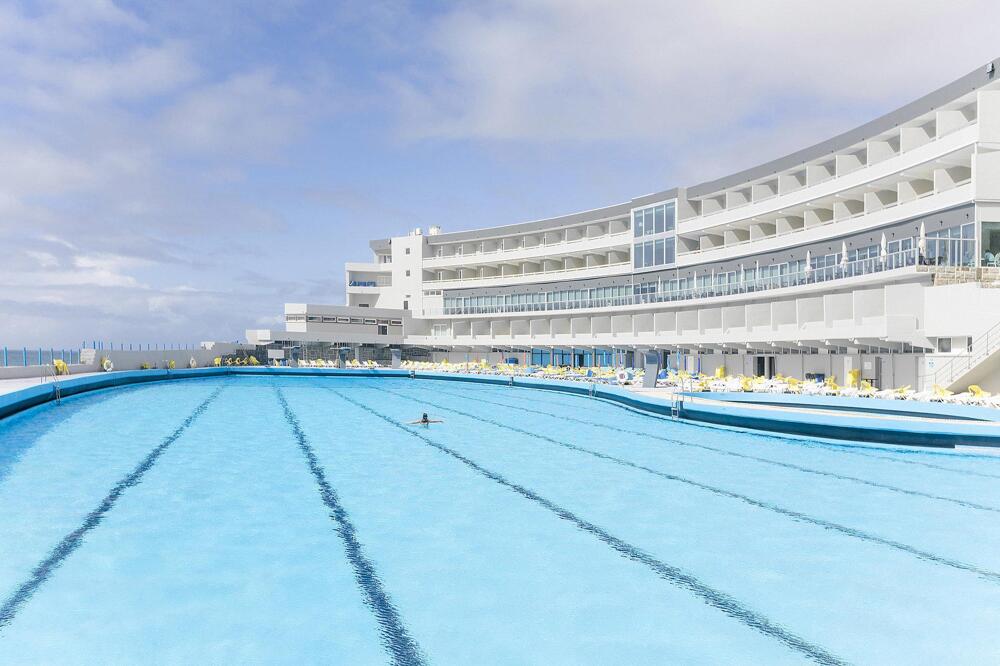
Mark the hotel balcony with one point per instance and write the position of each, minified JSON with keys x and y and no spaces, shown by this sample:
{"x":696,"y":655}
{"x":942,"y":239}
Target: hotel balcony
{"x":579,"y":239}
{"x":585,"y":265}
{"x":921,"y":140}
{"x":876,"y":200}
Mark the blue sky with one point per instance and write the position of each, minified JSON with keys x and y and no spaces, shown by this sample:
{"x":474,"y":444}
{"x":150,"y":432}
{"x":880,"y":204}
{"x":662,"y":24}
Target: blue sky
{"x":174,"y":171}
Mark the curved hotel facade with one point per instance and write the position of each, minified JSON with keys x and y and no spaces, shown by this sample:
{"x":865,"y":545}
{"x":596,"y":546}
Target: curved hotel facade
{"x":877,"y":250}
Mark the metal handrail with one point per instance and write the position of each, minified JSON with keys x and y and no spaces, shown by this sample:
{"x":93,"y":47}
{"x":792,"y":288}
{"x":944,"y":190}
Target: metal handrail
{"x":982,"y":348}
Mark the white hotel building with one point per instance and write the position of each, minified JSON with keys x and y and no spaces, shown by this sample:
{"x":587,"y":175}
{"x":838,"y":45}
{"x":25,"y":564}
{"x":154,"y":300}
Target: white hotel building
{"x":877,"y":249}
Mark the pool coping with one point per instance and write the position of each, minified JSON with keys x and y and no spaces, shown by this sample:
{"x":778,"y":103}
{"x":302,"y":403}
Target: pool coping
{"x":813,"y":416}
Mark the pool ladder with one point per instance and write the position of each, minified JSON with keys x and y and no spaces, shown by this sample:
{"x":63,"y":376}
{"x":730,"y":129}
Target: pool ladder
{"x":51,"y":369}
{"x":677,"y":406}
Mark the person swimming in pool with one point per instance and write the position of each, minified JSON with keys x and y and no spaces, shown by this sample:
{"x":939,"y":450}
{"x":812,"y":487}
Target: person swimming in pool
{"x":425,"y":421}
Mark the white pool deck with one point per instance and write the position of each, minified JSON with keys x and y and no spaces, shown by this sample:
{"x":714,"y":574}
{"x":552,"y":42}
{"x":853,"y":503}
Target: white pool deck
{"x":11,"y":385}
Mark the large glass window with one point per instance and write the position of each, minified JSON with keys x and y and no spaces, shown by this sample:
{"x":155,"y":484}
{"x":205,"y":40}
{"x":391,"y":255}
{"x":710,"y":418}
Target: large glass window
{"x":654,"y":220}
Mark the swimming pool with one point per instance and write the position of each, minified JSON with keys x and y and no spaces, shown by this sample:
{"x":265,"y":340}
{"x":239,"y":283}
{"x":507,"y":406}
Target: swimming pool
{"x":300,"y":519}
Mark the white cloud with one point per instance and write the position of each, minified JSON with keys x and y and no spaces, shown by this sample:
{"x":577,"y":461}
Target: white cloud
{"x":246,"y":114}
{"x":135,"y":74}
{"x":544,"y":70}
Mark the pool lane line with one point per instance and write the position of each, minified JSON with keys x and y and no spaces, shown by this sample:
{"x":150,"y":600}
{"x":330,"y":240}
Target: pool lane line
{"x":986,"y":574}
{"x":858,"y":449}
{"x":670,"y":573}
{"x":769,"y":461}
{"x":74,"y":539}
{"x":395,"y":638}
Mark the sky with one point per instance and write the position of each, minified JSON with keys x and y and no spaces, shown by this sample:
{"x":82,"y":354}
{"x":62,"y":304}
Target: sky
{"x":173,"y":171}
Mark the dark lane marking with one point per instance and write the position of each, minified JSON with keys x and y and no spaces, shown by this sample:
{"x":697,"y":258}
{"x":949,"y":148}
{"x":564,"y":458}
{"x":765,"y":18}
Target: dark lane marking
{"x":768,"y":461}
{"x":674,"y":575}
{"x":74,"y":539}
{"x":395,"y":638}
{"x":831,"y":447}
{"x":790,"y":513}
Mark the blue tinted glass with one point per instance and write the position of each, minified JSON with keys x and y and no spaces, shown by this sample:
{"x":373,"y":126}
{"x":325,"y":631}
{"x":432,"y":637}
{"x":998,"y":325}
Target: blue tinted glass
{"x":637,"y":223}
{"x":670,"y":214}
{"x":648,"y":224}
{"x":668,"y":250}
{"x":637,"y":255}
{"x":660,"y":210}
{"x":658,"y":254}
{"x":647,"y":253}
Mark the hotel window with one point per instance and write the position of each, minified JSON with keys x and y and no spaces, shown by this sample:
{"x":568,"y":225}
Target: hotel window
{"x":383,"y":330}
{"x":654,"y":220}
{"x":370,"y":322}
{"x":654,"y":253}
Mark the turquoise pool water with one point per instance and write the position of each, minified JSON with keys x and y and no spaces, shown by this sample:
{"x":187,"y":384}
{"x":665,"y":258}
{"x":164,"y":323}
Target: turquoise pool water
{"x":301,"y":520}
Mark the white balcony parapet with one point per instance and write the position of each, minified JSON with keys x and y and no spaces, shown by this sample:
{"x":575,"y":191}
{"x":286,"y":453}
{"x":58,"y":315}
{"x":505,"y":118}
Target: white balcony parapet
{"x":609,"y":240}
{"x":521,"y":278}
{"x":955,"y":140}
{"x":888,"y":214}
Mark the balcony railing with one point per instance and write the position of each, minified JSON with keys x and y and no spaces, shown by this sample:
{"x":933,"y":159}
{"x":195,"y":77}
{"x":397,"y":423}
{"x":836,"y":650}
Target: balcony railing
{"x":832,"y":221}
{"x":834,"y":177}
{"x":840,"y":271}
{"x":625,"y":234}
{"x":561,"y":271}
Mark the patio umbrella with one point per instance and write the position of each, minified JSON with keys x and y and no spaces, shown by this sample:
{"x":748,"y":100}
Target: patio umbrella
{"x":884,"y":251}
{"x":809,"y":262}
{"x":922,"y":241}
{"x":843,"y":255}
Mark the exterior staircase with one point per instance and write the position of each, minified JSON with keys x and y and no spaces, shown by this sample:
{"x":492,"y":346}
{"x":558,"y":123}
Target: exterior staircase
{"x":980,"y":366}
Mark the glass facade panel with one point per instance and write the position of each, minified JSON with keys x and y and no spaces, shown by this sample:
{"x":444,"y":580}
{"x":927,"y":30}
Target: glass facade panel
{"x":954,"y":246}
{"x":654,"y":221}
